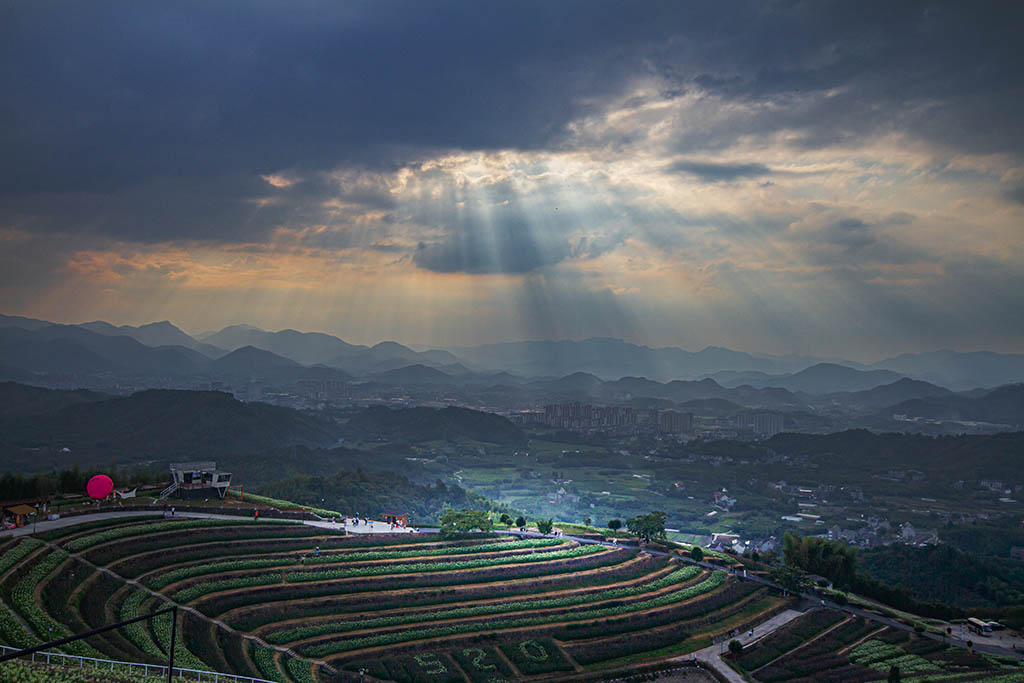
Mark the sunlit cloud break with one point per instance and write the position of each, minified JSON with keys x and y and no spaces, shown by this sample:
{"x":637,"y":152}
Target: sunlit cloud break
{"x":787,"y":179}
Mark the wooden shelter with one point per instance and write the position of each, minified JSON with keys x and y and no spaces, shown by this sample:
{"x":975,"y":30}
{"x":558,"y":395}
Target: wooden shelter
{"x":400,"y":520}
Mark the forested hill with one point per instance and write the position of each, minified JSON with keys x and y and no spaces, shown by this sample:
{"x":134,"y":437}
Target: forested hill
{"x":429,"y":424}
{"x":956,"y":457}
{"x":372,"y":493}
{"x":152,"y":426}
{"x":22,"y":400}
{"x":941,"y":573}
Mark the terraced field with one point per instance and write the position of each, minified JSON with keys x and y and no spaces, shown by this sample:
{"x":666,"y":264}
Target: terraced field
{"x":295,"y":603}
{"x":826,"y":645}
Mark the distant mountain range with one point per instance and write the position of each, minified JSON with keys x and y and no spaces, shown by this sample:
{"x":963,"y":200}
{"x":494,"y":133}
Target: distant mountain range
{"x":1003,"y":405}
{"x":36,"y":425}
{"x":38,"y":347}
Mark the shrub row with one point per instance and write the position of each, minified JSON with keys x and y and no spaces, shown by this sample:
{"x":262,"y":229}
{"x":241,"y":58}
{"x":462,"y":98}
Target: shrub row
{"x":300,"y":670}
{"x":162,"y":630}
{"x":264,"y":658}
{"x":138,"y":633}
{"x":435,"y":667}
{"x":27,"y":672}
{"x":419,"y":568}
{"x":286,"y":595}
{"x":836,"y":639}
{"x":95,"y":598}
{"x":786,"y":638}
{"x":237,"y":565}
{"x":533,"y":657}
{"x":304,"y":632}
{"x":11,"y":631}
{"x":205,"y":588}
{"x":339,"y":645}
{"x":64,"y":532}
{"x":18,"y":552}
{"x":23,"y":600}
{"x":655,"y":640}
{"x":125,"y":531}
{"x":191,"y":538}
{"x":135,"y":565}
{"x":731,"y":597}
{"x":482,"y":664}
{"x":365,"y":601}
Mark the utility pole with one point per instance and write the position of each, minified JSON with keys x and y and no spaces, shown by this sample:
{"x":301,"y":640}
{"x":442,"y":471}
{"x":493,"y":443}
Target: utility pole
{"x":170,"y":650}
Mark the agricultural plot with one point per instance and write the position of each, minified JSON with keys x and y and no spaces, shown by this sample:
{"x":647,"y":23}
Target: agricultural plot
{"x":304,"y":604}
{"x":827,"y":645}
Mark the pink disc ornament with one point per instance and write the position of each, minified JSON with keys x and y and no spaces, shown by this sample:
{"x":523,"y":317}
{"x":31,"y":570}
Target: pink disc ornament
{"x":99,"y":487}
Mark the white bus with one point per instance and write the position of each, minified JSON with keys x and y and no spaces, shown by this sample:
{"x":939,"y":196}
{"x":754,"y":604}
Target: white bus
{"x":978,"y":626}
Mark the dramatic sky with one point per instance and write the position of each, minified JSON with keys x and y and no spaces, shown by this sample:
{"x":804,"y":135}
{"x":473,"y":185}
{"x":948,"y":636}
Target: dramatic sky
{"x":840,"y":179}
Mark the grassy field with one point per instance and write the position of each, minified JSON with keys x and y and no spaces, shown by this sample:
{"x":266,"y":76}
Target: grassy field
{"x":404,"y":608}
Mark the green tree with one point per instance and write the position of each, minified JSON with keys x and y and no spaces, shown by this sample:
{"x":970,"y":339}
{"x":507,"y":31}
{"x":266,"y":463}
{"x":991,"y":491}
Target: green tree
{"x":505,"y":519}
{"x":586,"y":521}
{"x":615,"y":524}
{"x":835,"y":561}
{"x":696,"y":553}
{"x":520,"y":521}
{"x":793,"y":579}
{"x":544,"y":525}
{"x":735,"y":647}
{"x":458,"y":522}
{"x":647,"y":527}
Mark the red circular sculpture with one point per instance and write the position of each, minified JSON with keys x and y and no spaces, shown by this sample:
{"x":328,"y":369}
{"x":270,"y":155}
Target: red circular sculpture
{"x":99,"y":487}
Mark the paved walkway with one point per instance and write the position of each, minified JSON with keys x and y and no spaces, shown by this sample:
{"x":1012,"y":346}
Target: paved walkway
{"x":48,"y":524}
{"x":711,"y":656}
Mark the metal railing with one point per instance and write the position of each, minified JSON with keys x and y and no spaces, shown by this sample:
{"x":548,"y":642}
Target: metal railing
{"x":169,"y":490}
{"x":137,"y":668}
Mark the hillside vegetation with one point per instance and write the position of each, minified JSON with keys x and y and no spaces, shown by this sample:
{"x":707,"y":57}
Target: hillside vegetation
{"x":429,"y":424}
{"x":374,"y":493}
{"x":405,"y":607}
{"x":152,"y":425}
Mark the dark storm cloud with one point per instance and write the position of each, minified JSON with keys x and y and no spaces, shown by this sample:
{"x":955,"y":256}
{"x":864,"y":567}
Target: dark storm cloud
{"x":153,"y":121}
{"x":711,"y":172}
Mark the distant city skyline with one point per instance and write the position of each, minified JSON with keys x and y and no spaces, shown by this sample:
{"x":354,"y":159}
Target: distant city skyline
{"x":830,"y":179}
